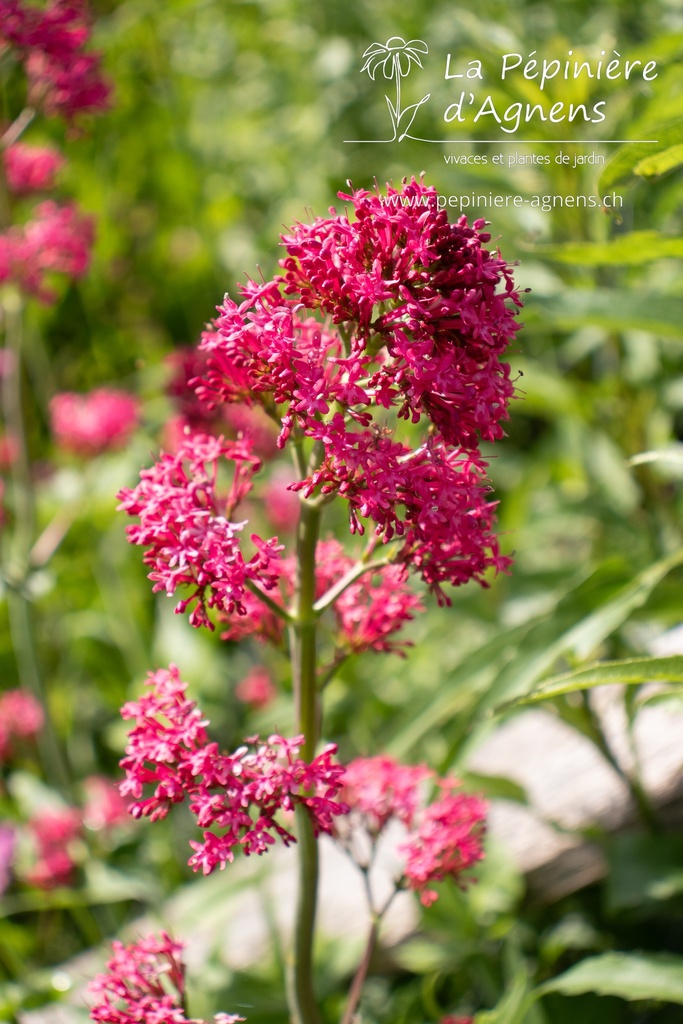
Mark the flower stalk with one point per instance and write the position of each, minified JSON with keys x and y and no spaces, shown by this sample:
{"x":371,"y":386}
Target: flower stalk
{"x":304,"y":674}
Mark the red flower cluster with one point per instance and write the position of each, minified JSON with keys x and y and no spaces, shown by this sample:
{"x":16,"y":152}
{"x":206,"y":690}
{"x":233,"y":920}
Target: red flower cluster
{"x":57,"y":240}
{"x":135,"y":987}
{"x":422,"y":317}
{"x":62,"y":77}
{"x":97,"y":422}
{"x":21,"y":716}
{"x":185,"y":523}
{"x":444,"y":838}
{"x":238,"y":795}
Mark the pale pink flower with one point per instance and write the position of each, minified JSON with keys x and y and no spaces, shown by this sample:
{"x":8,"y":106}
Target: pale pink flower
{"x":31,"y":168}
{"x":7,"y":844}
{"x":92,"y":423}
{"x":236,"y":798}
{"x":280,"y":504}
{"x":53,"y":833}
{"x":21,"y":713}
{"x":134,"y":989}
{"x":104,"y":807}
{"x":257,"y":688}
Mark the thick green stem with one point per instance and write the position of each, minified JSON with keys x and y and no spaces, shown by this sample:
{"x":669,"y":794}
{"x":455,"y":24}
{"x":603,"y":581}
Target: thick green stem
{"x":304,"y":673}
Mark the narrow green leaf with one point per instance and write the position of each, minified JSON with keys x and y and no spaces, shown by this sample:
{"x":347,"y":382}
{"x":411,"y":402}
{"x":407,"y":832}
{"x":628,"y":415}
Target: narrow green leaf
{"x":627,"y":975}
{"x":660,"y":163}
{"x":630,"y":670}
{"x":631,"y":249}
{"x":621,"y":168}
{"x":614,"y":310}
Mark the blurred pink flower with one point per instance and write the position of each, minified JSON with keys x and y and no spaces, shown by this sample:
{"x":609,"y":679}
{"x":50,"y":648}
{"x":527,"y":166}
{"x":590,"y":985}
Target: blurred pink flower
{"x":21,"y":715}
{"x":58,"y":239}
{"x":96,"y":422}
{"x":62,"y":77}
{"x":444,"y":838}
{"x":104,"y":806}
{"x":281,"y":505}
{"x":53,"y":832}
{"x":31,"y":168}
{"x":135,"y":987}
{"x":9,"y":449}
{"x":256,"y":688}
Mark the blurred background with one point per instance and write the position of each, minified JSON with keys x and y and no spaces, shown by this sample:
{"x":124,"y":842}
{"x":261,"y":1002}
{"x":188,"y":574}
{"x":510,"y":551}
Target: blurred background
{"x":227,"y":124}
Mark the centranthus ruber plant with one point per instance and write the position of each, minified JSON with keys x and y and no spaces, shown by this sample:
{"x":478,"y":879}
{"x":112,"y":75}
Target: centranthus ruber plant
{"x":377,"y":353}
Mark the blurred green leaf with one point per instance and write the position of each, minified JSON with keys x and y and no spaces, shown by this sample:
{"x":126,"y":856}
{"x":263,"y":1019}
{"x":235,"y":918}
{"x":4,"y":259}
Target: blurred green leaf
{"x":612,"y":309}
{"x":630,"y":670}
{"x":622,"y":167}
{"x":627,"y":975}
{"x":631,"y":249}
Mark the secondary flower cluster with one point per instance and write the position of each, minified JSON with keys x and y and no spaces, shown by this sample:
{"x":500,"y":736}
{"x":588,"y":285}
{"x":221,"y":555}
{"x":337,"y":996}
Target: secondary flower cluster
{"x":444,"y":838}
{"x":50,"y":41}
{"x":239,"y":795}
{"x":57,"y":239}
{"x":185,"y":522}
{"x":417,"y":314}
{"x":93,"y":423}
{"x":366,"y":613}
{"x":144,"y":983}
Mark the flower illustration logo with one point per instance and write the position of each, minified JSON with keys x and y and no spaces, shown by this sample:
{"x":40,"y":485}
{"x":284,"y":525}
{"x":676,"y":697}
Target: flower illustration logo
{"x":395,"y":58}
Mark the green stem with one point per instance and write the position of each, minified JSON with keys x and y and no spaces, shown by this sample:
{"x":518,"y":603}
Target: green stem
{"x":303,"y":653}
{"x":20,"y":544}
{"x":361,"y":973}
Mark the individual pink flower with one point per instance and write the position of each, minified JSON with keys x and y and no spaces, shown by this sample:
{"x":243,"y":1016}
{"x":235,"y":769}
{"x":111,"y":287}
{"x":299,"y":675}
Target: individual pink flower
{"x":104,"y":807}
{"x":57,"y":240}
{"x":256,"y":689}
{"x":53,"y":833}
{"x":144,"y":983}
{"x":236,"y":798}
{"x":444,"y":838}
{"x":186,"y":525}
{"x":99,"y":421}
{"x":31,"y":168}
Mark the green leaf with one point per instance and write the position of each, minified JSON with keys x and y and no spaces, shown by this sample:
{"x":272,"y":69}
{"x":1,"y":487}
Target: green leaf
{"x":627,"y":975}
{"x":660,"y":163}
{"x":609,"y":308}
{"x":522,"y":675}
{"x":632,"y":249}
{"x":630,"y":670}
{"x":622,"y":167}
{"x":513,"y":1007}
{"x":643,"y":869}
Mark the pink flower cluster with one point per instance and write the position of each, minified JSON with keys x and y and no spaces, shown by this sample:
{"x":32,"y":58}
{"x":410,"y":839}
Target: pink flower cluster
{"x":21,"y":717}
{"x":62,"y":77}
{"x":238,"y":795}
{"x":57,"y":240}
{"x":421,"y":313}
{"x":135,"y":987}
{"x":31,"y":168}
{"x":366,"y":613}
{"x":256,"y":689}
{"x":185,"y":521}
{"x":96,"y":422}
{"x":444,"y":838}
